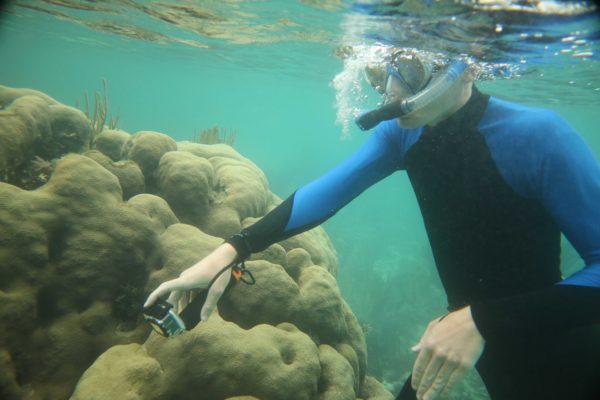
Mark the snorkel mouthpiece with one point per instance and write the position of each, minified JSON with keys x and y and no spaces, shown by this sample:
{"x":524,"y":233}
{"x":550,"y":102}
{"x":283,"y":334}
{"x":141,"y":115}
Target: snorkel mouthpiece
{"x":398,"y":108}
{"x":370,"y":119}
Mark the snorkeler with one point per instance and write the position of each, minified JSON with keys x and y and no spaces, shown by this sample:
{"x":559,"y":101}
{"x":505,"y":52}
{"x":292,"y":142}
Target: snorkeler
{"x":496,"y":183}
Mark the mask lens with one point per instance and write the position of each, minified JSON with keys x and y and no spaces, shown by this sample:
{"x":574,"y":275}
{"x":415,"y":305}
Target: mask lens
{"x":413,"y":72}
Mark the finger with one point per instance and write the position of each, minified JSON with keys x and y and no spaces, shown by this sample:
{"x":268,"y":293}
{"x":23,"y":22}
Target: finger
{"x":209,"y":305}
{"x":440,"y":380}
{"x":161,"y":290}
{"x":174,"y":299}
{"x":431,"y":373}
{"x":185,"y":299}
{"x":419,"y":368}
{"x":213,"y":296}
{"x":456,"y":375}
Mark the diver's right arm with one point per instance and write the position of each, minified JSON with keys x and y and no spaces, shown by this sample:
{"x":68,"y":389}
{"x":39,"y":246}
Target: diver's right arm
{"x":306,"y":208}
{"x":199,"y":276}
{"x":319,"y":200}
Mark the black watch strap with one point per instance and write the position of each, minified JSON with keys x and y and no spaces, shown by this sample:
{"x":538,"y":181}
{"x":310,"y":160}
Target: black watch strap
{"x":239,"y":241}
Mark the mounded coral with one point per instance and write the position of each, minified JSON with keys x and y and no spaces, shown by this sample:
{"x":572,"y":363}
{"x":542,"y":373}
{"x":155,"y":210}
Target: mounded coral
{"x":146,"y":148}
{"x":76,"y":262}
{"x":213,"y":187}
{"x":73,"y":261}
{"x":110,"y":142}
{"x":128,"y":172}
{"x":218,"y":361}
{"x":33,"y":124}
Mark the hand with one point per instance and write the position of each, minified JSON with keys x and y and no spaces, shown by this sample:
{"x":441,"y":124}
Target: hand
{"x":198,"y":276}
{"x":450,"y":346}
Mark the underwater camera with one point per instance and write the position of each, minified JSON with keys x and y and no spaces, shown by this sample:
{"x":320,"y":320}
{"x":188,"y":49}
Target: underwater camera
{"x":167,"y":322}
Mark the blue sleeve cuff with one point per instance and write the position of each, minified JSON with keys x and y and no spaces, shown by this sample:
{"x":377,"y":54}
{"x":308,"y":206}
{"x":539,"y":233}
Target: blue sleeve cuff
{"x":588,"y":276}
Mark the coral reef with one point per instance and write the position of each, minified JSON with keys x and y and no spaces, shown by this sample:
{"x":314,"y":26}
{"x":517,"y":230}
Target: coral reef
{"x":129,"y":173}
{"x":99,"y":115}
{"x":146,"y":148}
{"x":70,"y":255}
{"x":32,"y":126}
{"x":110,"y":142}
{"x":79,"y":254}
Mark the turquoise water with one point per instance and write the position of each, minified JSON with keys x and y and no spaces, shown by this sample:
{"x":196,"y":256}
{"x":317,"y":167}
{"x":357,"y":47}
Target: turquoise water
{"x":269,"y":76}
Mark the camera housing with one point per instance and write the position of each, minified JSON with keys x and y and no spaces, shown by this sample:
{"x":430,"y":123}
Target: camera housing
{"x":163,"y":319}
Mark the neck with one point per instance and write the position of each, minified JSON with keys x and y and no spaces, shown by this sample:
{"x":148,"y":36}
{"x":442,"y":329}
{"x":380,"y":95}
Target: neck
{"x":469,"y":114}
{"x":463,"y":98}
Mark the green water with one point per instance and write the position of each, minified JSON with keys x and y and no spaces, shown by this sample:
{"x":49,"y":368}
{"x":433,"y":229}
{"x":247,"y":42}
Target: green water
{"x":278,"y":96}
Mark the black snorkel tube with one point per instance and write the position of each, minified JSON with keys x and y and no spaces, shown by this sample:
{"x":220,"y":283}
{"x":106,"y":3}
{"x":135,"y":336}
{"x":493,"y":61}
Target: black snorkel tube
{"x":398,"y":108}
{"x":372,"y":118}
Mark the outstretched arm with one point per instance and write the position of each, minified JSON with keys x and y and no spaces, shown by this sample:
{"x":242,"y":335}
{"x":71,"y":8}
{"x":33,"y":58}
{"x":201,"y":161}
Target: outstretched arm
{"x":306,"y":208}
{"x":319,"y":200}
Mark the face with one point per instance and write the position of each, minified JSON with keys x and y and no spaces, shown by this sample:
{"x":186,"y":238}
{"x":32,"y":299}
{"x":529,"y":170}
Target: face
{"x":442,"y":107}
{"x":408,"y":73}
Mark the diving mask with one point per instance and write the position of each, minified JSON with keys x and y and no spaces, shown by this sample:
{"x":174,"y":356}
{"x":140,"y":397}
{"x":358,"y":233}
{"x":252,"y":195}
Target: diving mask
{"x":407,"y":74}
{"x":408,"y":83}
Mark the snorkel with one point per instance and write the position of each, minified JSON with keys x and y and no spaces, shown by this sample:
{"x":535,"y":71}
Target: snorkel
{"x":398,"y":108}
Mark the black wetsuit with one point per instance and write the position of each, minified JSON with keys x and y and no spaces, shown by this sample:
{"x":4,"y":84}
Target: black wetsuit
{"x":497,"y":183}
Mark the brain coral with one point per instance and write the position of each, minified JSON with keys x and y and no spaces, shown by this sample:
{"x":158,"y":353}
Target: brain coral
{"x":73,"y":260}
{"x":146,"y":148}
{"x":76,"y":262}
{"x":34,"y":124}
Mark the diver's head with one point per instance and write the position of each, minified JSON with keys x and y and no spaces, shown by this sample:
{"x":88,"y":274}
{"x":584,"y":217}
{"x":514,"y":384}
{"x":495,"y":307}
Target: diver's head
{"x":416,"y":90}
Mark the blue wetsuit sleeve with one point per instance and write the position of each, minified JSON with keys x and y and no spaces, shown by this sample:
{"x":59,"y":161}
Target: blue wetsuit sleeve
{"x":570,"y":191}
{"x":317,"y":201}
{"x":563,"y":174}
{"x":322,"y":198}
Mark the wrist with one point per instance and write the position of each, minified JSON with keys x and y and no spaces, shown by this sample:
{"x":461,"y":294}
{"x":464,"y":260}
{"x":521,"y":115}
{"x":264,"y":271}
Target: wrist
{"x":473,"y":323}
{"x":239,"y":242}
{"x":228,"y":249}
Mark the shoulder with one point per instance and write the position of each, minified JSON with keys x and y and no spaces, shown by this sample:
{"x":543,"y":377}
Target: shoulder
{"x":400,"y":139}
{"x":525,"y":141}
{"x":542,"y":132}
{"x":519,"y":121}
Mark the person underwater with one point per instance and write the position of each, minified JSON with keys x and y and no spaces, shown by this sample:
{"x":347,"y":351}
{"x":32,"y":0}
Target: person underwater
{"x":497,"y":184}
